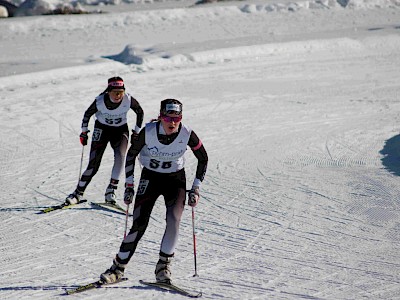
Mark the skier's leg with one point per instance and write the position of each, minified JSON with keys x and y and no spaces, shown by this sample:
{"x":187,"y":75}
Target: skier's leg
{"x":173,"y":218}
{"x":119,"y":147}
{"x":148,"y":192}
{"x":141,"y":216}
{"x":174,"y":196}
{"x":96,"y":154}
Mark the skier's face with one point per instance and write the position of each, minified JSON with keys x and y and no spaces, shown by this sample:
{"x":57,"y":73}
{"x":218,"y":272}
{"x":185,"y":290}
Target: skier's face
{"x":116,"y":95}
{"x":170,"y":123}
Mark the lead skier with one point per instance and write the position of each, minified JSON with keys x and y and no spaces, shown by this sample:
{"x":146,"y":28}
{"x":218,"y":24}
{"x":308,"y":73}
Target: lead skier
{"x":161,"y":147}
{"x":111,"y":108}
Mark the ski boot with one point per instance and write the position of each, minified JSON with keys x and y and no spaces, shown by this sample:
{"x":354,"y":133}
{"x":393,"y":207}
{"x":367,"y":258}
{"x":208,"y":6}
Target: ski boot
{"x":110,"y":197}
{"x":114,"y":273}
{"x":163,"y":268}
{"x":74,"y":198}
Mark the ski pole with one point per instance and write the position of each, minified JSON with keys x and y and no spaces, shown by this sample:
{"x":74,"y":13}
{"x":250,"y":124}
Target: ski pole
{"x":126,"y":220}
{"x":194,"y":245}
{"x":80,"y":168}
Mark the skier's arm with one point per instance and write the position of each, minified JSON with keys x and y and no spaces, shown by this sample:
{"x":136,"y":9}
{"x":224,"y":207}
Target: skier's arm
{"x":88,"y":114}
{"x":135,"y":106}
{"x":133,"y":152}
{"x":202,"y":158}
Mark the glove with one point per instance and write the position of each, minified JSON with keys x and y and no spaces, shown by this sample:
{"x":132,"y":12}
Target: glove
{"x":84,"y":137}
{"x":134,"y":136}
{"x":129,"y":193}
{"x":194,"y":196}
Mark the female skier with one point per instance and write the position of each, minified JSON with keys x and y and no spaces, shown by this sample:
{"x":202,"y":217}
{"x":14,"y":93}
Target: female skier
{"x":111,"y":108}
{"x":161,"y":147}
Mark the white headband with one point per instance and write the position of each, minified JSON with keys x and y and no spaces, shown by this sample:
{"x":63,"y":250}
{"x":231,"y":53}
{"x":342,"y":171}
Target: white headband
{"x":173,"y":106}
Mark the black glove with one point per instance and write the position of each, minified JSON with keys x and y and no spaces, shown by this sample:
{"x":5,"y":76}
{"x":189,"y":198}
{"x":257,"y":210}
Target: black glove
{"x":129,"y":193}
{"x":194,"y":196}
{"x":84,"y":137}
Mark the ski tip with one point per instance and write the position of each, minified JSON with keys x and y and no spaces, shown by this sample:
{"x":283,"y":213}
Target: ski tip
{"x":171,"y":287}
{"x":200,"y":294}
{"x":92,"y":285}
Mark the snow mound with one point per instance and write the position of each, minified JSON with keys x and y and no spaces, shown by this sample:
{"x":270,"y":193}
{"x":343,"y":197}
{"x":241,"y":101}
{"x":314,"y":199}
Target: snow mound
{"x":318,"y":4}
{"x":148,"y":55}
{"x":48,"y":7}
{"x":130,"y":55}
{"x":34,"y":7}
{"x":158,"y":56}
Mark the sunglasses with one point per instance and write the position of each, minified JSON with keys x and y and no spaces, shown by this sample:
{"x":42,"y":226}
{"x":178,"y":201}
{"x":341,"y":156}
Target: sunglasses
{"x":117,"y":92}
{"x":171,"y":119}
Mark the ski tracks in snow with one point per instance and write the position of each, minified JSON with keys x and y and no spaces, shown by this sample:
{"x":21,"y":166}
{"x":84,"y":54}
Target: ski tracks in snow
{"x":299,"y":190}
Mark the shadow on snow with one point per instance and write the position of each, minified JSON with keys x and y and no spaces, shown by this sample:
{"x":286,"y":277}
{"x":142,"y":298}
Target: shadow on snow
{"x":391,"y":155}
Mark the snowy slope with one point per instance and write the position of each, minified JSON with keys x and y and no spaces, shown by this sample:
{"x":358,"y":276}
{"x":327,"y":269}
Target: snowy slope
{"x":296,"y":107}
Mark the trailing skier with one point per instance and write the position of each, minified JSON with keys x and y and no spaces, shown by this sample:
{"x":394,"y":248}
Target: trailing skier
{"x":110,"y":108}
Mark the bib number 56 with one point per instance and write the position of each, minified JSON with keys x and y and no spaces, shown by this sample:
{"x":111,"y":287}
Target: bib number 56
{"x":155,"y":164}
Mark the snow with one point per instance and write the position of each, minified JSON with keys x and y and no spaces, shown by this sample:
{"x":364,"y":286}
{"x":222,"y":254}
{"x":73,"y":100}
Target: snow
{"x":297,"y":104}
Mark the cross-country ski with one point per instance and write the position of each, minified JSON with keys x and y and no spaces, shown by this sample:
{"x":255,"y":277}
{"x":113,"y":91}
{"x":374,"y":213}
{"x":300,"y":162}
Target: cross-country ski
{"x":168,"y":286}
{"x":109,"y":206}
{"x":93,"y":285}
{"x":61,"y":206}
